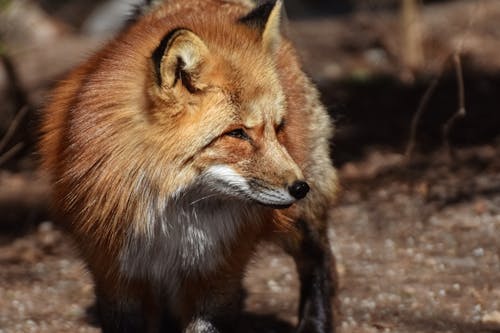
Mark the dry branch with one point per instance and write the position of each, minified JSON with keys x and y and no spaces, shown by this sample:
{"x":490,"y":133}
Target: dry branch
{"x":10,"y":153}
{"x":461,"y":105}
{"x":461,"y":112}
{"x":16,"y":89}
{"x":14,"y":125}
{"x":412,"y":141}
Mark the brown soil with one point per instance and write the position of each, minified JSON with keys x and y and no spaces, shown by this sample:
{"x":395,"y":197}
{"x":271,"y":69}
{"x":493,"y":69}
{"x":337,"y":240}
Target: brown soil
{"x":416,"y":246}
{"x":416,"y":243}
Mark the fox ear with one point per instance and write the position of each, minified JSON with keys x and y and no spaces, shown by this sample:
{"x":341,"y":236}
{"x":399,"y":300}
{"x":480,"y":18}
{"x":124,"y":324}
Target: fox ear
{"x":179,"y":59}
{"x":267,"y":18}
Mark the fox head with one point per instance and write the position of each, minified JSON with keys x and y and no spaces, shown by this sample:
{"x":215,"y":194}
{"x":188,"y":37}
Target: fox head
{"x":220,"y":93}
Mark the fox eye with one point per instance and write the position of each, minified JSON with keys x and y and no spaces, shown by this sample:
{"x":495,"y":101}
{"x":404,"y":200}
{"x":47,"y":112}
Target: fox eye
{"x":239,"y":134}
{"x":280,"y":126}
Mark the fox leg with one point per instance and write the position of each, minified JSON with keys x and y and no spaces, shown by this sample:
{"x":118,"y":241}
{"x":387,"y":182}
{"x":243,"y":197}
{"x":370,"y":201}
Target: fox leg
{"x":216,"y":306}
{"x":213,"y":323}
{"x":127,"y":308}
{"x":217,"y":317}
{"x":318,"y":279}
{"x":120,"y":318}
{"x":201,"y":325}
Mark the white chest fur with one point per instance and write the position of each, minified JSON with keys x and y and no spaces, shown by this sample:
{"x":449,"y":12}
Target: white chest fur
{"x":188,"y":236}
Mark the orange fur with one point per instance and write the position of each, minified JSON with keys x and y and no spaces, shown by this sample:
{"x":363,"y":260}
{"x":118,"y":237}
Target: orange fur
{"x":115,"y":143}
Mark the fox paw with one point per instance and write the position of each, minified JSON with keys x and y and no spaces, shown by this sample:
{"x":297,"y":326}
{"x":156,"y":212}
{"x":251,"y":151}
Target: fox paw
{"x":313,"y":326}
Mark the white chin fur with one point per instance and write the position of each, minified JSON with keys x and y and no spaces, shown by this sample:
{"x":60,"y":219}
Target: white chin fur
{"x":226,"y":180}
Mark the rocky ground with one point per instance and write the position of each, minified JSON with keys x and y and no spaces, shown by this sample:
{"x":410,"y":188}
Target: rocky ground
{"x":416,"y":246}
{"x":415,"y":240}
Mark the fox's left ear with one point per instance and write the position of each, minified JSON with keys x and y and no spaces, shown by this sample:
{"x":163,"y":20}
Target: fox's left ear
{"x":267,"y":18}
{"x":179,"y":60}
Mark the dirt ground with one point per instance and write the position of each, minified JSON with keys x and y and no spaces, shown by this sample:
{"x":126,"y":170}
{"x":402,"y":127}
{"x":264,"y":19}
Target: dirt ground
{"x":416,"y":246}
{"x":415,"y":241}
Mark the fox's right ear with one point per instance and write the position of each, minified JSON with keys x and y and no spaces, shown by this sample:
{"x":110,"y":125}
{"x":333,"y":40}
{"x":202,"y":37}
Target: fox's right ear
{"x":267,"y":18}
{"x":179,"y":60}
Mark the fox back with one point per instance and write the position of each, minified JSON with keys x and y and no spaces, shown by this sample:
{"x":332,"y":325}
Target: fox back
{"x":180,"y":146}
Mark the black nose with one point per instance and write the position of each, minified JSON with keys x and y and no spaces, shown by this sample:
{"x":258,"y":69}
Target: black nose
{"x":298,"y":189}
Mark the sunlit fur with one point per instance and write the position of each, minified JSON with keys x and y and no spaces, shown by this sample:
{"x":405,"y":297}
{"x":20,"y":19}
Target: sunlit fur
{"x":144,"y":177}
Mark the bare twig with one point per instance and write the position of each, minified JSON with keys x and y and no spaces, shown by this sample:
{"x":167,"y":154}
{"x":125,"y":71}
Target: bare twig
{"x":16,"y":89}
{"x":461,"y":112}
{"x":461,"y":105}
{"x":10,"y":153}
{"x":410,"y":147}
{"x":460,"y":82}
{"x":13,"y":127}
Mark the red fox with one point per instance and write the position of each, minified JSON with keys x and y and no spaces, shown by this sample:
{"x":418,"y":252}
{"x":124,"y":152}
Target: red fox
{"x":176,"y":150}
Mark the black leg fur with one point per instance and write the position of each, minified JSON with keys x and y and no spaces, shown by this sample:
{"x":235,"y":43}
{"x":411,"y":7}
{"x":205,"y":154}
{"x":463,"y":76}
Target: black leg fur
{"x":318,"y":281}
{"x":115,"y":318}
{"x":169,"y":324}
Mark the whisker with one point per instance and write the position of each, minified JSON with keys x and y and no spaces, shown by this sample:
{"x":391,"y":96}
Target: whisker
{"x":203,"y":198}
{"x":270,"y":192}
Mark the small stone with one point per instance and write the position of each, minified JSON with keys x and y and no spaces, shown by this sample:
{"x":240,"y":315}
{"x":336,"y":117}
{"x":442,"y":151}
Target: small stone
{"x":491,"y":318}
{"x":479,"y":252}
{"x":274,"y":286}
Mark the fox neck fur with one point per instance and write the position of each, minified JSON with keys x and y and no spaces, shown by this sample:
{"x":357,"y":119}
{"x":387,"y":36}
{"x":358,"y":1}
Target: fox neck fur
{"x":188,"y":235}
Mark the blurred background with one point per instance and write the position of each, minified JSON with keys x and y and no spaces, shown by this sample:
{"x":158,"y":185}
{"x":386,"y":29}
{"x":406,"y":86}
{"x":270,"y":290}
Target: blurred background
{"x":414,"y":90}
